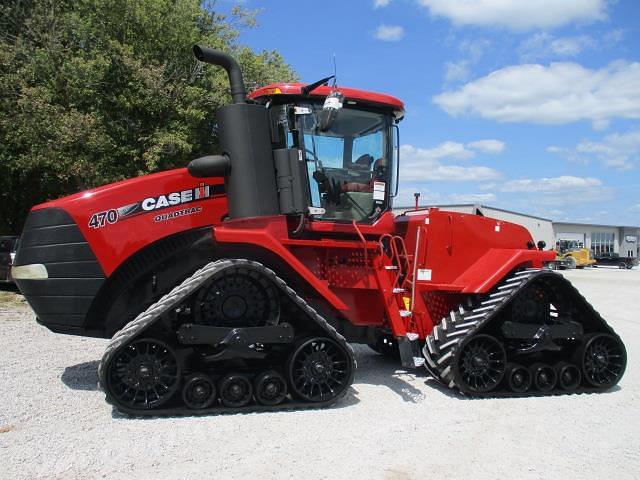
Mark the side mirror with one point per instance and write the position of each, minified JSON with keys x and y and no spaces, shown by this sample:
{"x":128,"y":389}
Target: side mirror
{"x":330,"y":109}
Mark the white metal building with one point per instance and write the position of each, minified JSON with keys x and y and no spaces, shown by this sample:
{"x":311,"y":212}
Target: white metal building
{"x":623,"y":240}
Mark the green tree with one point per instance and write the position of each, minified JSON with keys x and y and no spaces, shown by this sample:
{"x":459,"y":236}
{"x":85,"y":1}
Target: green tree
{"x":95,"y":91}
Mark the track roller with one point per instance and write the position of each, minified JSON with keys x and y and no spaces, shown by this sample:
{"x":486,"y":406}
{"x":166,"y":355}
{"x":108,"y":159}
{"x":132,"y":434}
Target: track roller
{"x":603,"y":359}
{"x":569,"y":375}
{"x":481,"y":364}
{"x":518,"y":378}
{"x":199,"y":391}
{"x":270,"y":388}
{"x":235,"y":390}
{"x":544,"y":377}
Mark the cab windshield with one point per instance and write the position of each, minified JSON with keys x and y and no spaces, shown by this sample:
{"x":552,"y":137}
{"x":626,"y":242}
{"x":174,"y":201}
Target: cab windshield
{"x":348,"y":165}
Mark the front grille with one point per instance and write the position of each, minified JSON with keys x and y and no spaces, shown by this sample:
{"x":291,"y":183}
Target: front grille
{"x":51,"y":237}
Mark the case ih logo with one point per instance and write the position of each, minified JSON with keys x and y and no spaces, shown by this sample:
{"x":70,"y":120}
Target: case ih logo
{"x":154,"y":204}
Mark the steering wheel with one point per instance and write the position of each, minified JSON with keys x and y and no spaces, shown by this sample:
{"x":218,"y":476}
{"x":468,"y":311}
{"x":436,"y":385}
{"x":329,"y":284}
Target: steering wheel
{"x":314,"y":156}
{"x":334,"y":191}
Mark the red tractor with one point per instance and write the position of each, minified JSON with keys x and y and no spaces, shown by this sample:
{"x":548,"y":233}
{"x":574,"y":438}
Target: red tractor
{"x":237,"y":283}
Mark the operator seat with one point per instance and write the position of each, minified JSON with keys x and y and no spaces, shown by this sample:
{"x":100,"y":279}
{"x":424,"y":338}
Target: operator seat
{"x":377,"y":174}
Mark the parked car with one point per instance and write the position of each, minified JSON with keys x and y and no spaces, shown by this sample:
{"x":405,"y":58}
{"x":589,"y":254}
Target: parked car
{"x":8,"y":246}
{"x":615,"y":260}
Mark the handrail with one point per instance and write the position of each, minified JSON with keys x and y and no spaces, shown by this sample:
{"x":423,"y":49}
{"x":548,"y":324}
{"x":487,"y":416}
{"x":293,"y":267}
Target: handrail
{"x":364,"y":242}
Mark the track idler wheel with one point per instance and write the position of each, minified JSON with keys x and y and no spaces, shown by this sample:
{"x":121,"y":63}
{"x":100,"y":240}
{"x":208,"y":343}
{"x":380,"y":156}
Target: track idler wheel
{"x":481,"y":364}
{"x":199,"y":391}
{"x":235,"y":390}
{"x":143,"y":375}
{"x":319,"y":370}
{"x":270,"y":388}
{"x":544,"y":377}
{"x":518,"y":378}
{"x":569,"y":376}
{"x":603,"y":359}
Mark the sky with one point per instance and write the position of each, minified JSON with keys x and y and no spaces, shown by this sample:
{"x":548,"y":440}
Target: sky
{"x":532,"y":106}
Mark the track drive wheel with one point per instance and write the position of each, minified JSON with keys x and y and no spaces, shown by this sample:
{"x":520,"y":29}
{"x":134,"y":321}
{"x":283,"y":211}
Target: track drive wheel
{"x":199,"y":391}
{"x":319,"y":369}
{"x":481,"y":364}
{"x":238,"y":297}
{"x":235,"y":390}
{"x":143,"y":375}
{"x":603,"y":359}
{"x":270,"y":388}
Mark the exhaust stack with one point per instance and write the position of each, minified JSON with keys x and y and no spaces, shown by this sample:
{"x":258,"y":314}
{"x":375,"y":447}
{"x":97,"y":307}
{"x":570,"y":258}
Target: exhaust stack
{"x":216,"y":57}
{"x":245,"y":140}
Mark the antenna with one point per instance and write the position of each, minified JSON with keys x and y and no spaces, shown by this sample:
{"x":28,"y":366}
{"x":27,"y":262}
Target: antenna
{"x":335,"y":71}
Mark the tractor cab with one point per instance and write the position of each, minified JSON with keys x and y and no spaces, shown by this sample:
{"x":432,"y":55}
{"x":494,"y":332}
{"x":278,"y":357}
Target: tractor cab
{"x":347,"y":141}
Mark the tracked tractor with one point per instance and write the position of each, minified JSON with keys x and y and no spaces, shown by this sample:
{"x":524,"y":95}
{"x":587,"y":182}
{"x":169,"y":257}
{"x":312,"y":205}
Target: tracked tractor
{"x":238,"y":283}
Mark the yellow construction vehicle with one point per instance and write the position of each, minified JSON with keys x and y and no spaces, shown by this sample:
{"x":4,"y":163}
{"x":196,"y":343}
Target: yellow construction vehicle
{"x":572,"y":254}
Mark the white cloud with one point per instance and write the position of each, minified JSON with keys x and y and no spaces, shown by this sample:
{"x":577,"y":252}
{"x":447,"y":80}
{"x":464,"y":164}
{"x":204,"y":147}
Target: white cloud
{"x":557,"y":191}
{"x":425,"y":164}
{"x":406,"y":198}
{"x":570,"y":155}
{"x":543,"y":45}
{"x":554,"y":212}
{"x":471,"y":198}
{"x":518,"y":15}
{"x":617,"y":150}
{"x":444,"y":150}
{"x":457,"y":150}
{"x":487,"y":146}
{"x":475,"y":48}
{"x":613,"y":36}
{"x":559,"y":93}
{"x":457,"y":71}
{"x":381,"y":3}
{"x":389,"y":33}
{"x":550,"y":185}
{"x":635,"y":208}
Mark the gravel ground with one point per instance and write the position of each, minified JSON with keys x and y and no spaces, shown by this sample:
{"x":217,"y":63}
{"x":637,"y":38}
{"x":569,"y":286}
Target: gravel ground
{"x":394,"y":424}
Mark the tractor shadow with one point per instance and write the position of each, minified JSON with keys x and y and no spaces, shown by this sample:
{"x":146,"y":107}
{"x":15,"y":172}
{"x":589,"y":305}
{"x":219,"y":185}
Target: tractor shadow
{"x":376,"y":369}
{"x":83,"y":376}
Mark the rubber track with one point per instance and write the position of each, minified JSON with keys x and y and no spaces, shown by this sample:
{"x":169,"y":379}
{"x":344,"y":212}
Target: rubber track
{"x":447,"y":338}
{"x":145,"y":319}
